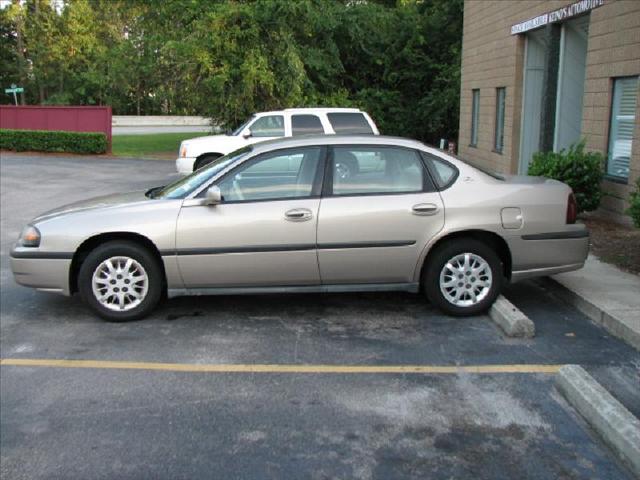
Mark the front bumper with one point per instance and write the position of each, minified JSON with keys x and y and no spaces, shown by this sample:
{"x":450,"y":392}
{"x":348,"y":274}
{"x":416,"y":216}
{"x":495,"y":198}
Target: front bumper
{"x":36,"y":269}
{"x":184,"y":165}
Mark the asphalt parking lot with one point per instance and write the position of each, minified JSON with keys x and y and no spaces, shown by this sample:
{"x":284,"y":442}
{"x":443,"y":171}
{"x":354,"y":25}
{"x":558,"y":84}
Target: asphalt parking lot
{"x":187,"y":392}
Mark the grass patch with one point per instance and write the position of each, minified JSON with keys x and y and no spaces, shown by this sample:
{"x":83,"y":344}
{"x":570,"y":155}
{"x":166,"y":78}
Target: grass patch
{"x":153,"y":145}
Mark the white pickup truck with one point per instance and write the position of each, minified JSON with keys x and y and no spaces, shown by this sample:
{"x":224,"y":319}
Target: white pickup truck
{"x":197,"y":152}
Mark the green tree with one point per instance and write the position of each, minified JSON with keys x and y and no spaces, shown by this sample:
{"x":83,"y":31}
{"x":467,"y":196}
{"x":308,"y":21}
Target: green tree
{"x":9,"y":67}
{"x":397,"y":59}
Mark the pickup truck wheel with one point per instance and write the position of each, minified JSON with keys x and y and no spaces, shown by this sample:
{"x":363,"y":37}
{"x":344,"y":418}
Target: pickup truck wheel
{"x":463,"y":277}
{"x":205,"y":160}
{"x":121,"y":281}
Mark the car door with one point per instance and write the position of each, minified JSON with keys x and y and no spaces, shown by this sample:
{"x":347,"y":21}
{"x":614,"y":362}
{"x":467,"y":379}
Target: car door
{"x":263,"y":233}
{"x":375,"y":219}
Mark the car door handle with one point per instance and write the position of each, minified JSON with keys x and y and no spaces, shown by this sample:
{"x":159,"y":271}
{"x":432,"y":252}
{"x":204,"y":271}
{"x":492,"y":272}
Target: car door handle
{"x":298,"y":215}
{"x":424,"y":209}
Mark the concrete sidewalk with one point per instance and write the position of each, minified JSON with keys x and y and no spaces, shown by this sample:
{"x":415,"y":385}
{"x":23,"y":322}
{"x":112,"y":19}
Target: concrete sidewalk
{"x":607,"y":295}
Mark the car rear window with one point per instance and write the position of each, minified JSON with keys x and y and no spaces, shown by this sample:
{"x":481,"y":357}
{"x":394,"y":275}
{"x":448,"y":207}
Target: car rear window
{"x":306,"y":125}
{"x":349,"y":123}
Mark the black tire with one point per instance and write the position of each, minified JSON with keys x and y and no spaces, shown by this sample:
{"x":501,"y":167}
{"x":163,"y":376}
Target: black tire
{"x":436,"y":263}
{"x":125,"y":249}
{"x":205,"y":160}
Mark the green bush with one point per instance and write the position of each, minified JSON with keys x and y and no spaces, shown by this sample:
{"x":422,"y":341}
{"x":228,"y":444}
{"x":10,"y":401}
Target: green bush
{"x":53,"y":141}
{"x":634,"y":209}
{"x":581,"y":170}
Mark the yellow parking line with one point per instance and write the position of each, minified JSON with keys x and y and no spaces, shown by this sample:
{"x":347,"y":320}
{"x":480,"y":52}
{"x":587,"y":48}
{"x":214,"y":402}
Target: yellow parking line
{"x":277,"y":368}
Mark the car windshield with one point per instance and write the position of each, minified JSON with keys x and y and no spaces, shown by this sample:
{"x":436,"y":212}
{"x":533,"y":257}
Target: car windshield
{"x":183,"y":187}
{"x":239,"y":130}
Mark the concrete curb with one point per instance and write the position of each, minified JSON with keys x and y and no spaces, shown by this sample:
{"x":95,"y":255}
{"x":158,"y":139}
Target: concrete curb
{"x":609,"y":418}
{"x":511,"y":320}
{"x":615,"y":326}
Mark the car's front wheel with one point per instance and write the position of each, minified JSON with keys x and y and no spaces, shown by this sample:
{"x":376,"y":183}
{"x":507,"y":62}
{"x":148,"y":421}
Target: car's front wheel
{"x":121,"y":281}
{"x":463,"y":277}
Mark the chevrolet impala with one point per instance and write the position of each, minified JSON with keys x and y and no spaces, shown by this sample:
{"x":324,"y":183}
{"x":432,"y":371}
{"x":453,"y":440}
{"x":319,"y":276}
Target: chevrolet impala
{"x":281,"y":216}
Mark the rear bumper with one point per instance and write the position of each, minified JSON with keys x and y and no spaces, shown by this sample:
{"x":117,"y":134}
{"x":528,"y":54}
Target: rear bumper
{"x":46,"y":274}
{"x":516,"y":276}
{"x":541,"y":254}
{"x":184,"y":165}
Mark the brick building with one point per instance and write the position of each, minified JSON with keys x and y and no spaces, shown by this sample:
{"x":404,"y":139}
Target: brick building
{"x":542,"y":74}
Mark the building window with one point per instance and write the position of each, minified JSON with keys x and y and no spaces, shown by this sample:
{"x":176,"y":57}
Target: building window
{"x":498,"y":143}
{"x":623,"y":119}
{"x":475,"y":115}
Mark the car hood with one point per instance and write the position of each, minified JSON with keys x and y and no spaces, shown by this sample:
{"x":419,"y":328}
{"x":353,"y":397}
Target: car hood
{"x":211,"y":141}
{"x":219,"y":144}
{"x":208,"y":139}
{"x":113,"y":200}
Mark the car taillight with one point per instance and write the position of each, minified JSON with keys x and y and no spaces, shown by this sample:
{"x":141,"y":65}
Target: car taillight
{"x":572,"y":209}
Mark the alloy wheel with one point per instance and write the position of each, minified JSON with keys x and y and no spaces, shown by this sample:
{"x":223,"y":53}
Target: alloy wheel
{"x":465,"y":279}
{"x":120,"y":283}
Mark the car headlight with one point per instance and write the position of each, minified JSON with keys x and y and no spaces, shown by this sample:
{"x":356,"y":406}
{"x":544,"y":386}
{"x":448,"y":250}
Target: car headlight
{"x":183,"y":150}
{"x":29,"y":237}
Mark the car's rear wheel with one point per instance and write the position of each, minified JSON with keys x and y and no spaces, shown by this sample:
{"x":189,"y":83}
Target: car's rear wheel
{"x":463,"y":277}
{"x":205,"y":160}
{"x":121,"y":281}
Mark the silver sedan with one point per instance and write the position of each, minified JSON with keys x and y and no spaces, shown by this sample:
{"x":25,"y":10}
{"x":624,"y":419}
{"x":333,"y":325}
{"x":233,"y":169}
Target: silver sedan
{"x":308,"y":214}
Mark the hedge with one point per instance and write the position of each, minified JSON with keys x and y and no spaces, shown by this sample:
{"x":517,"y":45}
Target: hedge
{"x":53,"y":141}
{"x":581,"y":170}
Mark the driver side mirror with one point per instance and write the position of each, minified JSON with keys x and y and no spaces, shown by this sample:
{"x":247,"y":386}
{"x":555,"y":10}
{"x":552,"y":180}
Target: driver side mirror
{"x":213,"y":195}
{"x":246,"y":133}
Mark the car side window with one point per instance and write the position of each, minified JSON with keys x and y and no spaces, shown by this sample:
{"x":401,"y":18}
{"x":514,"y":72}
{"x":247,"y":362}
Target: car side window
{"x":268,"y":126}
{"x":306,"y":125}
{"x":349,"y":123}
{"x":276,"y":175}
{"x":371,"y":170}
{"x":444,"y":172}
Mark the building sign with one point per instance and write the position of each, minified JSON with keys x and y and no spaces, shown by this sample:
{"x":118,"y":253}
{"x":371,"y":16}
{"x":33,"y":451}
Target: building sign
{"x":558,"y":15}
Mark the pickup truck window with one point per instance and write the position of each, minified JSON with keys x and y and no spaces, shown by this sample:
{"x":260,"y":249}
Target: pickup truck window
{"x":268,"y":126}
{"x":306,"y":125}
{"x":346,"y":123}
{"x":239,"y":130}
